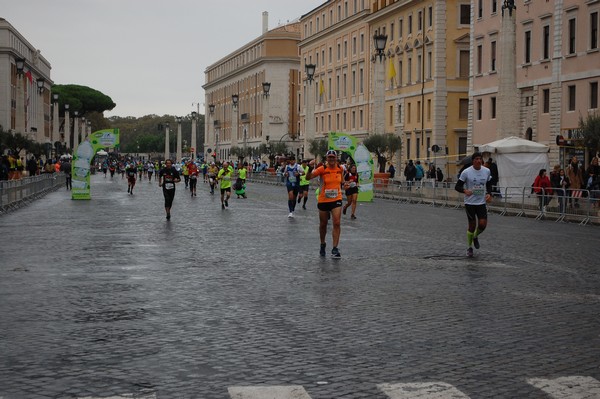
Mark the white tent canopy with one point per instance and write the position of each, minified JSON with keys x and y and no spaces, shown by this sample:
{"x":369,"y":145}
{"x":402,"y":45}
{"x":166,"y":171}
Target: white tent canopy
{"x":512,"y":145}
{"x":102,"y":153}
{"x":519,"y":162}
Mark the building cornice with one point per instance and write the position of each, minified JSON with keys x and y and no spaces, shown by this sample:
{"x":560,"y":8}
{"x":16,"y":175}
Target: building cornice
{"x":326,"y":33}
{"x":250,"y":66}
{"x":275,"y":34}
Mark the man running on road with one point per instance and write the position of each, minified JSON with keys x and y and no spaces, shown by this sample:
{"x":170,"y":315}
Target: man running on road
{"x":330,"y":199}
{"x":167,"y":177}
{"x":475,"y":183}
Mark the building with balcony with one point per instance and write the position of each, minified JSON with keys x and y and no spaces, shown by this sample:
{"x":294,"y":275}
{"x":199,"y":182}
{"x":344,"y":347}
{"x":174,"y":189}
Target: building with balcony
{"x":257,"y":117}
{"x":425,"y":68}
{"x":557,"y":67}
{"x":335,"y":38}
{"x":24,"y":94}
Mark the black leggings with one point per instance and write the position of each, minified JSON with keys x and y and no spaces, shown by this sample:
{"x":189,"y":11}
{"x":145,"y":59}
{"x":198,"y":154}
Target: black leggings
{"x":169,"y":196}
{"x":193,"y":184}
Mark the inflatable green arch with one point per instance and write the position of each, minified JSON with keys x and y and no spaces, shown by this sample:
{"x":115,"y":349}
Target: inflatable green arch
{"x":82,"y":158}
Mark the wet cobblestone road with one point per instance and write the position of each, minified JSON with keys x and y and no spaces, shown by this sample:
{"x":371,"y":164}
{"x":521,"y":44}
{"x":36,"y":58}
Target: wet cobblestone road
{"x":106,"y":298}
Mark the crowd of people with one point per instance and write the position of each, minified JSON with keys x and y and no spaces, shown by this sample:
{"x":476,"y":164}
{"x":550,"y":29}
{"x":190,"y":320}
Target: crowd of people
{"x":568,"y":185}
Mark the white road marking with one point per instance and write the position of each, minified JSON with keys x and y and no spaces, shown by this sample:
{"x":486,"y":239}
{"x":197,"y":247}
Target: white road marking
{"x":126,"y":396}
{"x":573,"y":387}
{"x":272,"y":392}
{"x":421,"y":390}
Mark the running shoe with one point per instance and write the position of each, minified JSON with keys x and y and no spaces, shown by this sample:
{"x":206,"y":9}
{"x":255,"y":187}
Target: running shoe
{"x":335,"y":253}
{"x":304,"y":207}
{"x":291,"y":215}
{"x":476,"y":242}
{"x":168,"y":216}
{"x":470,"y":252}
{"x":226,"y":204}
{"x":322,"y":250}
{"x":352,"y":217}
{"x":222,"y":206}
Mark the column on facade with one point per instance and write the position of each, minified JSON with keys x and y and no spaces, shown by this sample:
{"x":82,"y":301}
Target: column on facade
{"x":309,"y":123}
{"x":20,"y":109}
{"x":440,"y":86}
{"x":75,"y":131}
{"x":167,"y":150}
{"x":67,"y":127}
{"x":379,"y":96}
{"x":508,"y":95}
{"x":178,"y":156}
{"x":41,"y":125}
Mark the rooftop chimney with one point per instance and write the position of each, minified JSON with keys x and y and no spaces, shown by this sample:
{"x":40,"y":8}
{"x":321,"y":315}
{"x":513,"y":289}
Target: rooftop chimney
{"x":265,"y":22}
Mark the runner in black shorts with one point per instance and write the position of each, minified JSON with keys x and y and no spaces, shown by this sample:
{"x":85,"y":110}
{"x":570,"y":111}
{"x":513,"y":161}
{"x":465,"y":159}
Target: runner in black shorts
{"x":167,"y":178}
{"x":475,"y":183}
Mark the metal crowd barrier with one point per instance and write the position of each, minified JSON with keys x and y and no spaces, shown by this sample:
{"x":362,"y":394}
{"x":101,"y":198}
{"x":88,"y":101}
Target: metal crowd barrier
{"x":15,"y":193}
{"x":581,"y":206}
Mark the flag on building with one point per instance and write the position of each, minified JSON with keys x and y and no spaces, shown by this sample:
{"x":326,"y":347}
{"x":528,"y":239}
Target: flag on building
{"x":392,"y":71}
{"x":321,"y":88}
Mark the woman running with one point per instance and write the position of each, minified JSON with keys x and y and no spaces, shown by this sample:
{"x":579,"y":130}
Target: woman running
{"x":351,"y":186}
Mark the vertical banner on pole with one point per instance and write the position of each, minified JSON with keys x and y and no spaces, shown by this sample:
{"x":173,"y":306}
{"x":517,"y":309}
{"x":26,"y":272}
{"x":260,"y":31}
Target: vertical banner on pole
{"x":362,"y":158}
{"x":82,"y":158}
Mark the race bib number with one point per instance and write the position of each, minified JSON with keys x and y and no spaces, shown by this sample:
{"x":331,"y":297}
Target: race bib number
{"x":352,"y":184}
{"x":331,"y":193}
{"x":169,"y":186}
{"x":478,"y":190}
{"x":292,"y":179}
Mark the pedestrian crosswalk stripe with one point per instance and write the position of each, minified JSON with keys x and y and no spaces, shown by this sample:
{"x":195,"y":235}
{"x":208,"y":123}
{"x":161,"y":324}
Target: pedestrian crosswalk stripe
{"x":422,"y":390}
{"x":568,"y":387}
{"x":125,"y":396}
{"x":271,"y":392}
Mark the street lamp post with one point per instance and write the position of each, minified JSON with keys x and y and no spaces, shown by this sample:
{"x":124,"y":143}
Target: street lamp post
{"x":194,"y":149}
{"x":167,"y":150}
{"x":20,"y":109}
{"x":41,"y":125}
{"x":178,"y":156}
{"x":75,"y":130}
{"x":55,"y":121}
{"x":266,"y":118}
{"x":67,"y":127}
{"x":309,"y":123}
{"x":234,"y":120}
{"x":379,"y":41}
{"x":209,"y":126}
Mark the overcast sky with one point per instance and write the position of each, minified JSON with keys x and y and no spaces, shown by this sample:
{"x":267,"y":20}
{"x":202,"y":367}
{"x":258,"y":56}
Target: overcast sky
{"x":149,"y":56}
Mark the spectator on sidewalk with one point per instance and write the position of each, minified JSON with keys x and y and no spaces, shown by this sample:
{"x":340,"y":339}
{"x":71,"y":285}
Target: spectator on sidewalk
{"x":410,"y":173}
{"x":543,"y":188}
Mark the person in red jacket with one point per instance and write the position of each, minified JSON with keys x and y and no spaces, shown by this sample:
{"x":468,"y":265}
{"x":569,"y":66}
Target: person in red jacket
{"x":543,"y":188}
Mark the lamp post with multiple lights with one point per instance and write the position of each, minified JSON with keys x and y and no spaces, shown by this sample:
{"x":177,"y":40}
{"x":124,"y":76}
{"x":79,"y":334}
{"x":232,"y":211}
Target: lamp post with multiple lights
{"x":379,"y":41}
{"x":309,"y":123}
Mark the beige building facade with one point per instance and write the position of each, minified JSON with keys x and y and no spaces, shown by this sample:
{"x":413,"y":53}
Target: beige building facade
{"x":425,"y":69}
{"x":24,"y":108}
{"x":257,"y":118}
{"x":426,"y":77}
{"x":335,"y":38}
{"x":557,"y":72}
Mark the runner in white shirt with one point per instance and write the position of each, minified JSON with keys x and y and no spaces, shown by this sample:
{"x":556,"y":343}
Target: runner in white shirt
{"x":475,"y":183}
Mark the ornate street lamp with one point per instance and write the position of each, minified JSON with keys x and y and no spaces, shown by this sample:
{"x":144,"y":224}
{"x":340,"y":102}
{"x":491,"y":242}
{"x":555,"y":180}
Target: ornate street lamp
{"x":235,"y":99}
{"x":40,"y":85}
{"x":310,"y":72}
{"x":266,"y":88}
{"x":380,"y":41}
{"x":211,"y":108}
{"x":20,"y":64}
